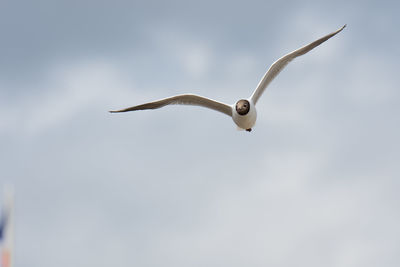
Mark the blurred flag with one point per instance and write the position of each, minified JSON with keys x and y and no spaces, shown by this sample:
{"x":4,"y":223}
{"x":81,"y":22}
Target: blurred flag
{"x":6,"y":228}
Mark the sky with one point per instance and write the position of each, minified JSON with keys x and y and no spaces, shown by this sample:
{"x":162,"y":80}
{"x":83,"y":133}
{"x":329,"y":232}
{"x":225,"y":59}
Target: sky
{"x":314,"y":184}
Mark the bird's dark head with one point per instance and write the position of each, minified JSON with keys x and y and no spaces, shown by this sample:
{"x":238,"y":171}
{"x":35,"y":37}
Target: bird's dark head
{"x":243,"y":107}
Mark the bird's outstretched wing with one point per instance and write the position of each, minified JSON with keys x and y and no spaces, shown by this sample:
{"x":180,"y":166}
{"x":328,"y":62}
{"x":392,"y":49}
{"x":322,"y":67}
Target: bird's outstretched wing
{"x":186,"y":99}
{"x":278,"y":65}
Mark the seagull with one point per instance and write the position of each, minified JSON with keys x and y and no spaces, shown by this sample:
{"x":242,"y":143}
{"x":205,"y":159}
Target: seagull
{"x":243,"y":112}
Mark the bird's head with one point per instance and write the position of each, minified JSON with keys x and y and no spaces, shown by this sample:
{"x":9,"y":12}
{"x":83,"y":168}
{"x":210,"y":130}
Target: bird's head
{"x":242,"y":107}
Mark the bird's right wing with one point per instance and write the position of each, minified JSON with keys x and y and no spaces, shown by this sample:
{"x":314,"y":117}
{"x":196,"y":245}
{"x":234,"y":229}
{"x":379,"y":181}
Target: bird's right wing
{"x":187,"y":99}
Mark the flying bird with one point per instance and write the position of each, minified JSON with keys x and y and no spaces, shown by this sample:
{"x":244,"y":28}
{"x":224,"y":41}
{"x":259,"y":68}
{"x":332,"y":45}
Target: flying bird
{"x":243,"y":112}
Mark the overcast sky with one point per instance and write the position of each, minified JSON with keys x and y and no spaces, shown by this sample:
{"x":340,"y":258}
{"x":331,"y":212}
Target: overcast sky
{"x":314,"y":184}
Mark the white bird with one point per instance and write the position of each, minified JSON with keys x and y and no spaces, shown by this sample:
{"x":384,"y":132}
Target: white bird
{"x":243,"y":112}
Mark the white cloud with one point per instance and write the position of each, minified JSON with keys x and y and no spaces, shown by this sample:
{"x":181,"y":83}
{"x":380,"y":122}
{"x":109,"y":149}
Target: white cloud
{"x":194,"y":54}
{"x":65,"y":91}
{"x":196,"y":59}
{"x":372,"y":81}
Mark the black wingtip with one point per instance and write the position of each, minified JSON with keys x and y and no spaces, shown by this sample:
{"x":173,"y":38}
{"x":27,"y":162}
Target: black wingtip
{"x":341,"y":29}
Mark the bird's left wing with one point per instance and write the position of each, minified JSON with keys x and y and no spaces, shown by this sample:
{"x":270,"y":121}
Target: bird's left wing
{"x":187,"y":99}
{"x":278,"y":65}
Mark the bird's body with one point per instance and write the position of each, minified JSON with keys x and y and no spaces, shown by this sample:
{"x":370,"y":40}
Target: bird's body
{"x":243,"y":112}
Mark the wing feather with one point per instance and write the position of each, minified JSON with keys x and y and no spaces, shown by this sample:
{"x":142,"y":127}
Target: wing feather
{"x":186,"y":99}
{"x":281,"y":63}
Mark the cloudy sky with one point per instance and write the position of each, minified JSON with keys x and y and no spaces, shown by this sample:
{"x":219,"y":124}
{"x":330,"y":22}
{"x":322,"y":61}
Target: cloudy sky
{"x":315,"y":184}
